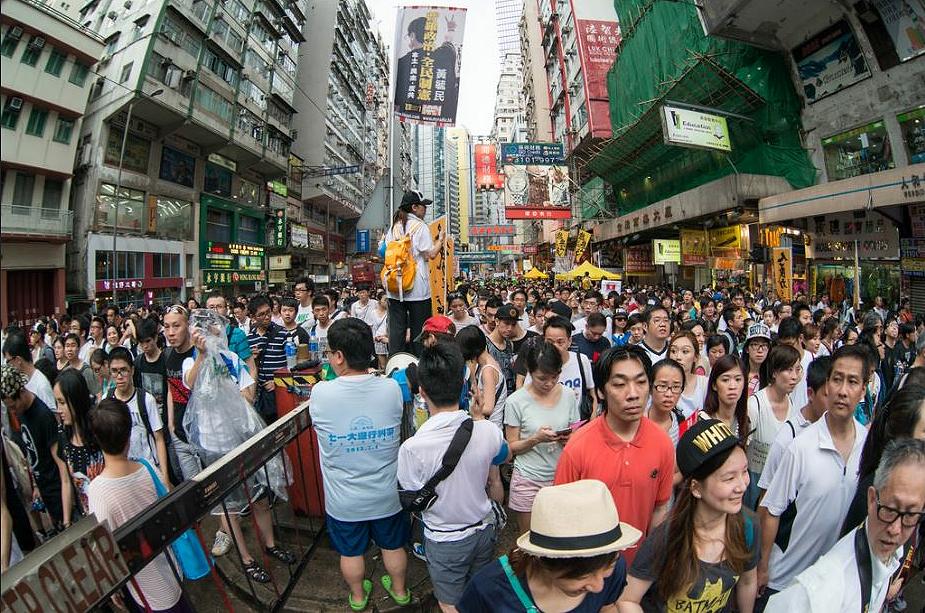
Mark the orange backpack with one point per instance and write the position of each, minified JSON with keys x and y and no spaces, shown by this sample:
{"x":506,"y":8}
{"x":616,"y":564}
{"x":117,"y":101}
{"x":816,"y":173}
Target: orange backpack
{"x":400,"y":268}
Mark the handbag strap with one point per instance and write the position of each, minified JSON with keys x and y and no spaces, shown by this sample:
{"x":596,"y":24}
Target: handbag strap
{"x":865,"y":573}
{"x":158,"y":485}
{"x":517,"y":587}
{"x":452,"y":455}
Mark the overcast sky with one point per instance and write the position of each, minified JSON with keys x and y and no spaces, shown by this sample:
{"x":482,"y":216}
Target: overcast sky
{"x":480,"y":65}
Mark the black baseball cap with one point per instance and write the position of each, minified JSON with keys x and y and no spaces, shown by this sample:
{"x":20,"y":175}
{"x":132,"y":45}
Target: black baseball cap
{"x":507,"y":312}
{"x":413,"y":197}
{"x":705,"y":440}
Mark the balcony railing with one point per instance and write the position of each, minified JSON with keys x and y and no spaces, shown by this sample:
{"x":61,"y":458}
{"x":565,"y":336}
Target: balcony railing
{"x":32,"y":220}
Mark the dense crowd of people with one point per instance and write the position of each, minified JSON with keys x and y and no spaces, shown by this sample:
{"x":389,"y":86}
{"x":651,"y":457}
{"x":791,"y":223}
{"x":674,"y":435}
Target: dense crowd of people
{"x":660,"y":449}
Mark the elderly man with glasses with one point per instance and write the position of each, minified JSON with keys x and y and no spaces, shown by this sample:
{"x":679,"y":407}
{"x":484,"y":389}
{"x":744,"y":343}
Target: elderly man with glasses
{"x":855,"y":574}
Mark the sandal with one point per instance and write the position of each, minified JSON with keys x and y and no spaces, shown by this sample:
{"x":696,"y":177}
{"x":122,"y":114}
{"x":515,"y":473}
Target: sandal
{"x":367,"y":589}
{"x":387,"y":585}
{"x":256,"y":572}
{"x":281,"y":554}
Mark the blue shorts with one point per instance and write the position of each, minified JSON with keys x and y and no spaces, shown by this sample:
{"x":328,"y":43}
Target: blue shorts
{"x":351,"y":538}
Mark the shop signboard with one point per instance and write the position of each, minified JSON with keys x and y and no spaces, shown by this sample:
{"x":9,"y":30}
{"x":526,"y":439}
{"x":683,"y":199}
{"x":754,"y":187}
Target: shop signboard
{"x":277,"y":277}
{"x":531,"y":249}
{"x":280,"y":262}
{"x":782,"y":272}
{"x":492,"y":230}
{"x":226,"y":277}
{"x":362,"y":241}
{"x":912,"y":253}
{"x":917,"y":215}
{"x":690,"y":128}
{"x":279,"y":230}
{"x":488,"y":257}
{"x":638,"y":259}
{"x":298,"y":235}
{"x":694,"y":251}
{"x":315,"y":241}
{"x":665,"y":251}
{"x":232,"y":257}
{"x":726,"y":242}
{"x":834,"y":236}
{"x":830,"y":61}
{"x":505,"y":248}
{"x":427,"y":60}
{"x":107,"y":285}
{"x":561,"y":243}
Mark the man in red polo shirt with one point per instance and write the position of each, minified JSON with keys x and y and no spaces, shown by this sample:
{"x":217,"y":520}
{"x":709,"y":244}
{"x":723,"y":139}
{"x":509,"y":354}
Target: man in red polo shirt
{"x":630,"y":454}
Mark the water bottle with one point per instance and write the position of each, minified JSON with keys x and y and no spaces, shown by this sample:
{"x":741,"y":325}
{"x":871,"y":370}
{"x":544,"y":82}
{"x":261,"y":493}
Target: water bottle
{"x":313,"y":348}
{"x":290,"y":354}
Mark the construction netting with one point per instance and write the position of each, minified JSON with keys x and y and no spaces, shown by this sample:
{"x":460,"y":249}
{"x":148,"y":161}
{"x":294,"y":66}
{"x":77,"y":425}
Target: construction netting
{"x":665,"y":57}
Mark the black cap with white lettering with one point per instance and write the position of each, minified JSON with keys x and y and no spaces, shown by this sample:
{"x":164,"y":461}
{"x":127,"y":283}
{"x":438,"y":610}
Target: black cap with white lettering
{"x":704,"y":440}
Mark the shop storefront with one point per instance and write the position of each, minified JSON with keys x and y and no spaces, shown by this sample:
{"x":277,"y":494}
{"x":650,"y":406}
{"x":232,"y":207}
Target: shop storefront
{"x":231,"y":246}
{"x":870,"y":213}
{"x":147,"y":271}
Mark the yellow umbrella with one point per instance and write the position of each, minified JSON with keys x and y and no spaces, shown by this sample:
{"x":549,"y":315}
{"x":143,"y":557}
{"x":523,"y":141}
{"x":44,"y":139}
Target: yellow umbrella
{"x":595,"y":273}
{"x":535,"y":273}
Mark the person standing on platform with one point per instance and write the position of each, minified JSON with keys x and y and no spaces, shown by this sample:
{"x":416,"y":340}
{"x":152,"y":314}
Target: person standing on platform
{"x":411,"y":308}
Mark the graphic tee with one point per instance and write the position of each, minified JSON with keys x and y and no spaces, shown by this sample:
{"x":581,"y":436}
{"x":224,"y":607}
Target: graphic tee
{"x":711,"y":593}
{"x":178,"y":389}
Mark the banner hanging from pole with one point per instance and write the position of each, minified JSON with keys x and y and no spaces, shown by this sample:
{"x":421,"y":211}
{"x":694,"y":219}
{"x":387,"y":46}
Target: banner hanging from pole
{"x":441,"y":268}
{"x":428,"y":47}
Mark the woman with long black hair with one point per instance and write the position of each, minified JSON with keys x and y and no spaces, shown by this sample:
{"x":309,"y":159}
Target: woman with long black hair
{"x":727,"y":397}
{"x":705,"y":556}
{"x":77,"y":447}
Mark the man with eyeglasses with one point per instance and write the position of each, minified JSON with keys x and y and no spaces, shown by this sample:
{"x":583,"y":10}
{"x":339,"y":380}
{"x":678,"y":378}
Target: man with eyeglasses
{"x":855,"y":574}
{"x":147,"y":437}
{"x":591,"y":303}
{"x":802,"y":511}
{"x":268,"y":343}
{"x":658,"y":329}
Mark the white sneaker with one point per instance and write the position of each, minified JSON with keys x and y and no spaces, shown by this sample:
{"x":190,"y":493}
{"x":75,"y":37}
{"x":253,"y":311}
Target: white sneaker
{"x":222,"y":544}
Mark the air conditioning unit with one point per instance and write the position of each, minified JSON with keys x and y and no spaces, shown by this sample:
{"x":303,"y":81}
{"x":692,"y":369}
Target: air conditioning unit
{"x":245,"y":76}
{"x":128,"y":4}
{"x":37,"y":42}
{"x":112,"y":15}
{"x":219,"y":16}
{"x":293,"y":134}
{"x":166,"y":61}
{"x":105,"y":59}
{"x":14,"y":104}
{"x":85,"y":156}
{"x":189,"y":75}
{"x":15,"y":32}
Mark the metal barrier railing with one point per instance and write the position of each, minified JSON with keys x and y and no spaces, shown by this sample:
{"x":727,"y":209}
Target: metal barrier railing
{"x":47,"y":577}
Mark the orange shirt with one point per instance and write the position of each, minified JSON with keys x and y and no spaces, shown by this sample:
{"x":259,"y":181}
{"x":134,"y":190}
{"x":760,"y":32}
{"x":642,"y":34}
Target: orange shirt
{"x":638,"y":473}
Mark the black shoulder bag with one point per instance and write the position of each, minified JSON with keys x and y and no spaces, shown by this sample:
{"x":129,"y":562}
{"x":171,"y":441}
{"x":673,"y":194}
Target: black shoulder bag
{"x":420,"y":500}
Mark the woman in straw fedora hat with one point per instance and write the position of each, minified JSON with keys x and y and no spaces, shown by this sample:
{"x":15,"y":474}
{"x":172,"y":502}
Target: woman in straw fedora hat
{"x":560,"y":564}
{"x":704,"y":558}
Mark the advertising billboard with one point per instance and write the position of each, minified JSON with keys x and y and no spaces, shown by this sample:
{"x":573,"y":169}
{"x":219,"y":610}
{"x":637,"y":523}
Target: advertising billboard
{"x":638,"y":259}
{"x":666,"y":251}
{"x":829,"y":61}
{"x":695,"y":129}
{"x":486,"y":168}
{"x":428,"y":47}
{"x":536,"y":181}
{"x":597,"y":49}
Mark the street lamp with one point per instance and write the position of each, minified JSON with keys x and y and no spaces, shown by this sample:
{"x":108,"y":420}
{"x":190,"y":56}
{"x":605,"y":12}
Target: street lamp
{"x":115,"y":220}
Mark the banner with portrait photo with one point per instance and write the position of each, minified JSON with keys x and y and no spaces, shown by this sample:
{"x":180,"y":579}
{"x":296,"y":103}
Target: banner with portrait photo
{"x":428,"y":48}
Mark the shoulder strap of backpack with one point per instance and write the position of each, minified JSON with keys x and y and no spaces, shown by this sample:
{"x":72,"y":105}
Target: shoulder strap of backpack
{"x":452,"y":455}
{"x":142,"y":399}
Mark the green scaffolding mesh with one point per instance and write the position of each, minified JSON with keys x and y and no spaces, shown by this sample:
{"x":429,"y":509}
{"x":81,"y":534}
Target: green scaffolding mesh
{"x":665,"y":56}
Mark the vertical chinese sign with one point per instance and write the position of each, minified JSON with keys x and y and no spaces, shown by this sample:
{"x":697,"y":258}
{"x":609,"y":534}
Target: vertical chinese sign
{"x":597,"y":47}
{"x":442,"y":268}
{"x":486,"y":168}
{"x":428,"y":47}
{"x":782,"y":272}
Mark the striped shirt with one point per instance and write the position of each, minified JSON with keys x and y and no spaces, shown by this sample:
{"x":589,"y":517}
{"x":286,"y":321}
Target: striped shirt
{"x":269,"y":351}
{"x":116,"y":501}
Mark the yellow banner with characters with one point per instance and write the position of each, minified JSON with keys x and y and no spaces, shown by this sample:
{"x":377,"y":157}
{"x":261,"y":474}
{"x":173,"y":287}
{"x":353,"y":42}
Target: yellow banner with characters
{"x":561,"y":243}
{"x":584,"y":239}
{"x":782,"y":272}
{"x":441,"y":269}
